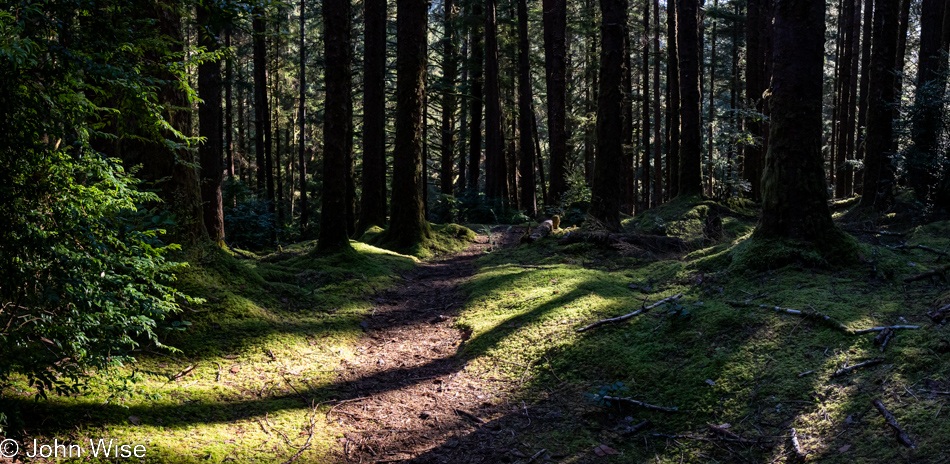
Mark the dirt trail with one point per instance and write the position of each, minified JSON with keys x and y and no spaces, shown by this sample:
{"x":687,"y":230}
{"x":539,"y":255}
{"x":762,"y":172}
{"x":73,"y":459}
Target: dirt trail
{"x":411,"y":398}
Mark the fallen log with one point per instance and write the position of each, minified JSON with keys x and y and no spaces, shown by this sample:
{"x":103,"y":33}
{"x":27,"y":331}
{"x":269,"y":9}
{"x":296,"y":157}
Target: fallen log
{"x":619,"y":319}
{"x":940,"y":271}
{"x":797,"y":447}
{"x":901,"y":435}
{"x":921,"y":247}
{"x":640,"y":403}
{"x":656,"y":243}
{"x":540,"y":232}
{"x":845,"y":370}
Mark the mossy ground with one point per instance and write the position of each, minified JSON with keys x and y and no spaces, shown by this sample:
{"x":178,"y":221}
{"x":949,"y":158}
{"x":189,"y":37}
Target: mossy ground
{"x":715,"y":362}
{"x":446,"y":238}
{"x":264,"y":349}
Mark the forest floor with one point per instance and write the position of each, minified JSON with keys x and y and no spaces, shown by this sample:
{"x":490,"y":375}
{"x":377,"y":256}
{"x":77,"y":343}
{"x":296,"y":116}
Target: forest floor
{"x":474,"y":356}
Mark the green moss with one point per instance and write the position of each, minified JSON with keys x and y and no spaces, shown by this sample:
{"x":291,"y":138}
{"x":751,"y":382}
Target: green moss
{"x":836,"y":250}
{"x":445,"y":238}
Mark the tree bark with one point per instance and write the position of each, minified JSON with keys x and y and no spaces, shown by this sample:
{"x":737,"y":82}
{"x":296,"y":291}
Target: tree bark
{"x":795,"y":196}
{"x":629,"y":159}
{"x":607,"y":189}
{"x":496,"y":166}
{"x":878,"y":166}
{"x":475,"y":66}
{"x":555,"y":65}
{"x":755,"y":86}
{"x":844,"y":109}
{"x":931,"y":85}
{"x":301,"y":121}
{"x":408,"y":226}
{"x":449,"y":101}
{"x":336,"y":23}
{"x":687,"y":42}
{"x":657,"y":153}
{"x":645,"y":173}
{"x":526,"y":117}
{"x":865,"y":79}
{"x":464,"y":89}
{"x":261,"y":112}
{"x":373,"y":198}
{"x":672,"y":104}
{"x":209,"y":123}
{"x":228,"y":113}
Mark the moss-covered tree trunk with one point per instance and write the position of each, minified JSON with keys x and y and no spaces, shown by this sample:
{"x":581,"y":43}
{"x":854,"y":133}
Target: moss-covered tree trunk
{"x":408,"y":225}
{"x":878,"y":165}
{"x":794,"y":192}
{"x":209,"y":123}
{"x":607,"y":188}
{"x":555,"y":65}
{"x":687,"y":43}
{"x":373,"y":197}
{"x":336,"y":23}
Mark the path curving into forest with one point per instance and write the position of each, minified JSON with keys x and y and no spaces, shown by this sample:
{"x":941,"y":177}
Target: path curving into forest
{"x":408,"y":394}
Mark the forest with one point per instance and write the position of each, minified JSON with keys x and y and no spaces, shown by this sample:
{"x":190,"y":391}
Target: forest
{"x":475,"y":231}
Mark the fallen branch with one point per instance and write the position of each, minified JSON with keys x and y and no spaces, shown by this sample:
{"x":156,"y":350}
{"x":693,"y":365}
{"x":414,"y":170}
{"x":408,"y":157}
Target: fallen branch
{"x":922,"y":247}
{"x":882,"y":338}
{"x":805,"y":373}
{"x":722,"y":431}
{"x":183,"y":373}
{"x":939,"y":271}
{"x":935,"y":392}
{"x":635,"y":428}
{"x":469,"y":416}
{"x":891,"y":421}
{"x":879,"y":329}
{"x":813,"y":314}
{"x":796,"y":446}
{"x":845,"y":370}
{"x":640,"y":403}
{"x":537,"y":455}
{"x":618,"y":319}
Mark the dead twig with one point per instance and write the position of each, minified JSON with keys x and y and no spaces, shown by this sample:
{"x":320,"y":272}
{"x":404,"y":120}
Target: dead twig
{"x":845,"y":370}
{"x":901,"y":435}
{"x":880,"y":329}
{"x":469,"y":416}
{"x":182,"y":373}
{"x":813,"y":314}
{"x":805,"y":373}
{"x":618,"y":319}
{"x":537,"y":455}
{"x":640,"y":403}
{"x":939,"y":271}
{"x":344,"y":402}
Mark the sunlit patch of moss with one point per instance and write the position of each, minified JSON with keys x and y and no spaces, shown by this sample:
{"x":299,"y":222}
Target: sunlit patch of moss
{"x":258,"y":355}
{"x":445,"y":238}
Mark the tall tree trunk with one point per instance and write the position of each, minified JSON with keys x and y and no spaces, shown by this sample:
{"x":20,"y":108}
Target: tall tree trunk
{"x":449,"y":101}
{"x":794,"y":197}
{"x":629,"y":159}
{"x":496,"y":172}
{"x":590,"y":91}
{"x":463,"y":118}
{"x":349,"y":161}
{"x":712,"y":106}
{"x":301,"y":121}
{"x":555,"y":66}
{"x":209,"y":123}
{"x":475,"y":65}
{"x":336,"y":24}
{"x":408,"y":226}
{"x":526,"y":117}
{"x":261,"y":112}
{"x":687,"y":42}
{"x":645,"y":109}
{"x":931,"y":87}
{"x":752,"y":157}
{"x":657,"y":155}
{"x":843,"y":99}
{"x":228,"y":113}
{"x":608,"y":179}
{"x":878,"y":167}
{"x":672,"y":104}
{"x":373,"y":198}
{"x":540,"y":159}
{"x":865,"y":80}
{"x":241,"y":123}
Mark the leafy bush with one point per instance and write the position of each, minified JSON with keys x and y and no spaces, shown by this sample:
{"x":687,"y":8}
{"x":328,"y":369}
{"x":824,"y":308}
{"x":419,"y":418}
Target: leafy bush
{"x":84,"y":278}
